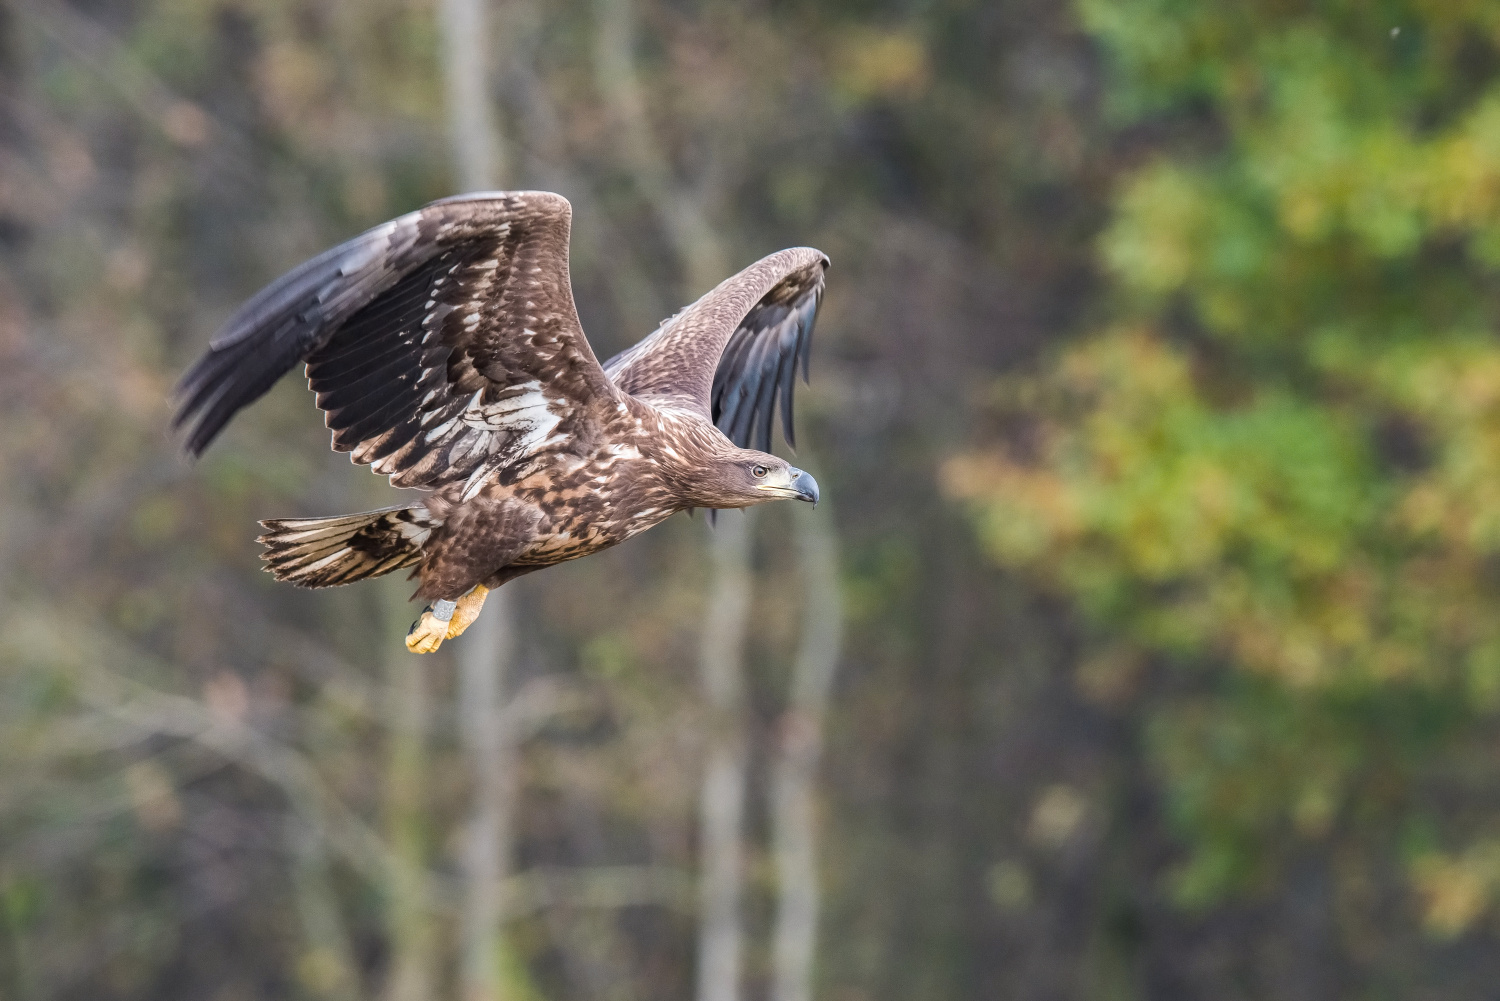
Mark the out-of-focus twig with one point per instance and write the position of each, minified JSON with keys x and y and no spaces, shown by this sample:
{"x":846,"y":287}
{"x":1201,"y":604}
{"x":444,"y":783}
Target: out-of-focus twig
{"x":597,"y":887}
{"x":172,"y":715}
{"x":410,"y":929}
{"x":143,"y":709}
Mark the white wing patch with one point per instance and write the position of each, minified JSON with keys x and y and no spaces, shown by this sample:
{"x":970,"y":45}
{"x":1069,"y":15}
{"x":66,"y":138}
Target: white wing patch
{"x":524,"y":409}
{"x":519,"y":424}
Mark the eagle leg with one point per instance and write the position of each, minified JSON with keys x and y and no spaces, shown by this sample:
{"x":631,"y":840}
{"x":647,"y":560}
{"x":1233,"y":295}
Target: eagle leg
{"x":434,"y":626}
{"x":467,"y":611}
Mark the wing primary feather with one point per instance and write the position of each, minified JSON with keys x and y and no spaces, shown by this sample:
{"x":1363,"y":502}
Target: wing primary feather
{"x":323,"y":377}
{"x":804,"y":334}
{"x":199,"y":386}
{"x":739,"y":431}
{"x":741,"y":389}
{"x":354,"y":263}
{"x":354,"y":424}
{"x":397,"y":375}
{"x":754,"y":379}
{"x":744,"y":420}
{"x":234,"y":381}
{"x":728,"y":376}
{"x":765,"y":402}
{"x":729,"y":409}
{"x":216,"y":370}
{"x":283,"y":298}
{"x":788,"y":379}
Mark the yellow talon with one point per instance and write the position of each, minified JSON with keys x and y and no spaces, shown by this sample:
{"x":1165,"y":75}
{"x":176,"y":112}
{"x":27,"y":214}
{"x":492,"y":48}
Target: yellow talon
{"x":428,"y":632}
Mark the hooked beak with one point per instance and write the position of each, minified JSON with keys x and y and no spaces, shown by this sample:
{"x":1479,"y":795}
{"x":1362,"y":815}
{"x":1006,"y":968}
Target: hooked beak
{"x":798,"y":486}
{"x":805,"y":486}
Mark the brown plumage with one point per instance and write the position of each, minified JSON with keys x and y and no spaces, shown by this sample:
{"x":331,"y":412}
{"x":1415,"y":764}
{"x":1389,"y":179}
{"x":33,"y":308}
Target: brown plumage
{"x":445,"y":348}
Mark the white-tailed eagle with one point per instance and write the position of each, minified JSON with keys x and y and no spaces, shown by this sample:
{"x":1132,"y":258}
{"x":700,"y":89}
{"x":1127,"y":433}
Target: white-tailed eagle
{"x":446,"y":351}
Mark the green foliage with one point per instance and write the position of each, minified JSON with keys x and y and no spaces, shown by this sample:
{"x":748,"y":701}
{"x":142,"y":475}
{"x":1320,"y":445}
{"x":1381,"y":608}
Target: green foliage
{"x":1281,"y":465}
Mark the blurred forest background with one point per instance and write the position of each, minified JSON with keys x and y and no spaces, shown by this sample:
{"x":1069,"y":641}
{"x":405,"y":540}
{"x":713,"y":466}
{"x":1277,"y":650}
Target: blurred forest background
{"x":1156,"y":398}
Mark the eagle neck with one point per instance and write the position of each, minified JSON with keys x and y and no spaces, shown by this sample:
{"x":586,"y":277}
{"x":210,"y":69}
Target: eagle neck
{"x":687,"y":452}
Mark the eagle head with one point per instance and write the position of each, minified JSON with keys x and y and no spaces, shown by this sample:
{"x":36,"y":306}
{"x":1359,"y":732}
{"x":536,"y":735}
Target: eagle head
{"x":745,"y":477}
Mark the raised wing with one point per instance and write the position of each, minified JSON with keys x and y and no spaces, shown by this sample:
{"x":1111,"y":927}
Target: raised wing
{"x":731,"y":354}
{"x":443,"y":345}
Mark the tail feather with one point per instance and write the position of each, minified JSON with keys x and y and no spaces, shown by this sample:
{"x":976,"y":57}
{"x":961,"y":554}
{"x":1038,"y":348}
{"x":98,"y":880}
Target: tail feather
{"x":325,"y":552}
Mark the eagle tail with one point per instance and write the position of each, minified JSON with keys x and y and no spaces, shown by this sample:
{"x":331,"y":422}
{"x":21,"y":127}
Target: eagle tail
{"x":326,"y":552}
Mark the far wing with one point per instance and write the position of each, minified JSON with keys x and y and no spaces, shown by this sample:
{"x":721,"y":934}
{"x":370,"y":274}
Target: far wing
{"x":444,"y":345}
{"x":730,"y":355}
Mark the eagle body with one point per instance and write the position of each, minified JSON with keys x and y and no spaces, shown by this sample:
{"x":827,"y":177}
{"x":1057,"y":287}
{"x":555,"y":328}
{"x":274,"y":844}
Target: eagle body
{"x":577,"y":506}
{"x":446,"y":352}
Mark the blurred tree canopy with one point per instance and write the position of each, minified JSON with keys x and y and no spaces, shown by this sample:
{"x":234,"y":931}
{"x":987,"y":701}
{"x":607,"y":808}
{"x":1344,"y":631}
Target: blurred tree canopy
{"x":1273,"y":469}
{"x":1189,"y":308}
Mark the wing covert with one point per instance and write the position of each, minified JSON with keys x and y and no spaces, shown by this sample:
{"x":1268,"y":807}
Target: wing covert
{"x":731,"y":355}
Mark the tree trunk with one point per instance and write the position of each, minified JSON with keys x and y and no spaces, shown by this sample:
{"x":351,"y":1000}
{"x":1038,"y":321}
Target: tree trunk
{"x":793,"y":804}
{"x":483,"y":662}
{"x":484,"y":652}
{"x":478,"y":155}
{"x":722,"y":802}
{"x":409,"y":924}
{"x":722,"y":798}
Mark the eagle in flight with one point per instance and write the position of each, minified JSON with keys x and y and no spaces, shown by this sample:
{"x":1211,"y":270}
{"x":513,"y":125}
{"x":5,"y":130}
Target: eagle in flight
{"x":446,"y":351}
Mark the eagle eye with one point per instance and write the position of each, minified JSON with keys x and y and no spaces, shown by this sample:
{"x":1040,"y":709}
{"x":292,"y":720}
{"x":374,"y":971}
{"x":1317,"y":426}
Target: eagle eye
{"x":759,"y":471}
